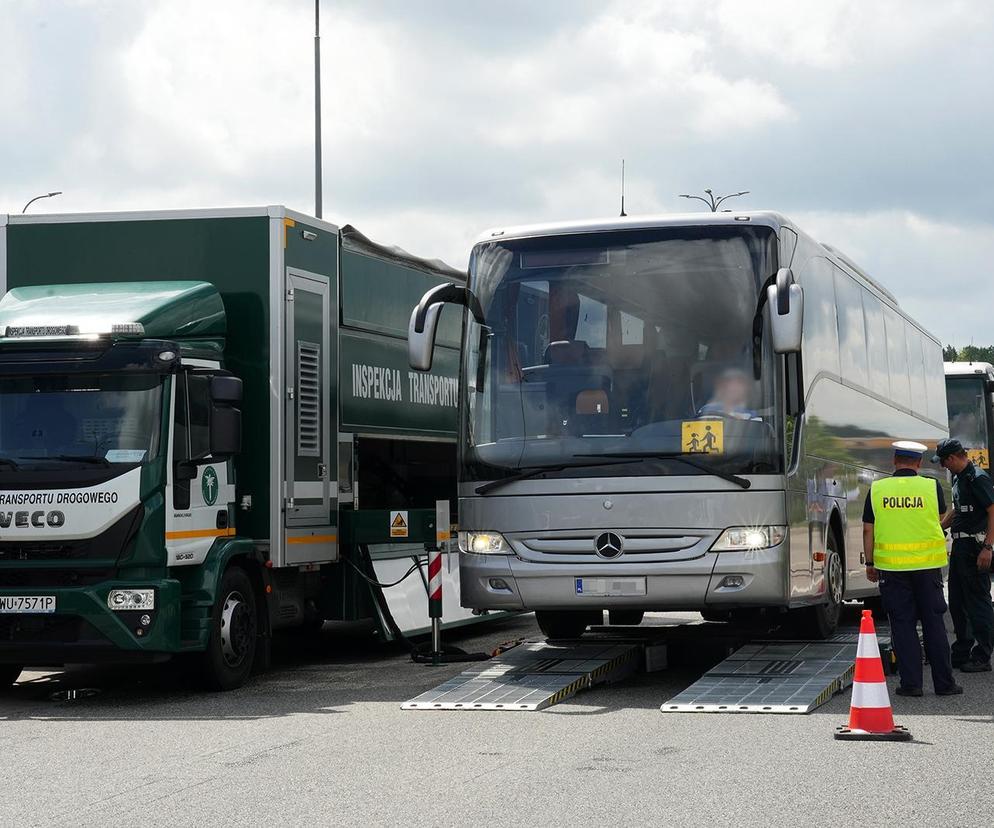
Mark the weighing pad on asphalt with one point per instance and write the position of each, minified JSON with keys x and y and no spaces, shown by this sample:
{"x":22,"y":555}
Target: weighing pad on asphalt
{"x":532,"y":676}
{"x":772,"y":677}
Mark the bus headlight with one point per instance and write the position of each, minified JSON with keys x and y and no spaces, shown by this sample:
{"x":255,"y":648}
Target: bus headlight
{"x":131,"y":599}
{"x":484,"y":543}
{"x":740,"y":538}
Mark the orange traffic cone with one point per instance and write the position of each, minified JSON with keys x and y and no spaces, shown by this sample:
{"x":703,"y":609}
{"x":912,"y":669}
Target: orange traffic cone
{"x":870,"y":716}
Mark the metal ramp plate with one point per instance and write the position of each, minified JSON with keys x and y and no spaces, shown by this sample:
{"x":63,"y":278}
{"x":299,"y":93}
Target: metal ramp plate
{"x":772,"y":677}
{"x":532,"y":676}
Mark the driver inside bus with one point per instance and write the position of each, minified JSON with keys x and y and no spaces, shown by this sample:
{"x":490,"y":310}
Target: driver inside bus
{"x":730,"y":397}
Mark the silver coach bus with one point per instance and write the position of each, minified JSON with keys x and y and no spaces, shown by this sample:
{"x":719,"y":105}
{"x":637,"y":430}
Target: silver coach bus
{"x":675,"y":413}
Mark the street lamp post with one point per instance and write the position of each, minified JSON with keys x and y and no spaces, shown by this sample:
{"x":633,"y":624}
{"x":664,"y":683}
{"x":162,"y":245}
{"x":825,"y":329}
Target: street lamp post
{"x":714,"y":202}
{"x":43,"y":195}
{"x":318,"y":196}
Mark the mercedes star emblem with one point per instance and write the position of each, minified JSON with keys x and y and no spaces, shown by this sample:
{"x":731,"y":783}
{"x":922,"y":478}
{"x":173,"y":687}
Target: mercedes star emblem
{"x":609,"y":545}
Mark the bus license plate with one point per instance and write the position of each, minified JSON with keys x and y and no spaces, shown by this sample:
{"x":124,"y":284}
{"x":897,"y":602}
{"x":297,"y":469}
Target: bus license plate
{"x":611,"y":587}
{"x":10,"y":604}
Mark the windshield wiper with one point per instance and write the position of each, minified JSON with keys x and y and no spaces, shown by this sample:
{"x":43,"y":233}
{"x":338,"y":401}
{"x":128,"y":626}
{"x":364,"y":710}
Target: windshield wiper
{"x":6,"y":461}
{"x":530,"y":472}
{"x":70,"y":458}
{"x":680,"y":457}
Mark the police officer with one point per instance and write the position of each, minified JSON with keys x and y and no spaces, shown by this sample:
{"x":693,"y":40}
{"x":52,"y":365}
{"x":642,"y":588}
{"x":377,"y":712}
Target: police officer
{"x":905,"y":549}
{"x":972,"y":522}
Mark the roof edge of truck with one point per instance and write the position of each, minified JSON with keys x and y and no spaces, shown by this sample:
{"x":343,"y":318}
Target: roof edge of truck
{"x":271,"y":210}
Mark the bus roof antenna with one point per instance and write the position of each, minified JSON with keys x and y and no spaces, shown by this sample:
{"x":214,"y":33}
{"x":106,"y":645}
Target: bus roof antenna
{"x":623,"y":213}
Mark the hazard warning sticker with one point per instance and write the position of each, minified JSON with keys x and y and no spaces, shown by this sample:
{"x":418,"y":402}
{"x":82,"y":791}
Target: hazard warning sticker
{"x":979,"y":457}
{"x":398,"y":524}
{"x":702,"y":436}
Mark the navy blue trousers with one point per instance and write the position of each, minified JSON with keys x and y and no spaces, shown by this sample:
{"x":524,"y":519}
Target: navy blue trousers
{"x":970,"y":604}
{"x":910,"y":597}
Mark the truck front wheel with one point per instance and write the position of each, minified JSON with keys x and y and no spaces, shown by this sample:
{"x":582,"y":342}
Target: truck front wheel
{"x":9,"y":674}
{"x":230,"y":652}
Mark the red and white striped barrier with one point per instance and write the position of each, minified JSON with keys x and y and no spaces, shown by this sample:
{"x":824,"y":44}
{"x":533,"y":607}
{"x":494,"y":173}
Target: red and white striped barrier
{"x":870,"y":714}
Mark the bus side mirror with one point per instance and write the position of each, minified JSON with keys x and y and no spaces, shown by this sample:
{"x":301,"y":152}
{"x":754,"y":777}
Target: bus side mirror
{"x":989,"y":386}
{"x":424,"y":321}
{"x":421,"y":344}
{"x":786,"y":302}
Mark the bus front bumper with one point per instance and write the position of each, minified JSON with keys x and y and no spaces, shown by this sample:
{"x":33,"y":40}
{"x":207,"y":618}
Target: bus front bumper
{"x":725,"y":580}
{"x":83,"y":629}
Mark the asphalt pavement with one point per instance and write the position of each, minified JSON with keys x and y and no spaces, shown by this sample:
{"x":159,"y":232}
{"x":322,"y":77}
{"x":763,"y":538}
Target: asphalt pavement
{"x":321,"y":739}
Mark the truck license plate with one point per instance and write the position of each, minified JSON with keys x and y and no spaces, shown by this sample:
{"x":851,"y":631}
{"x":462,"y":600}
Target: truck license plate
{"x":27,"y":603}
{"x":612,"y":587}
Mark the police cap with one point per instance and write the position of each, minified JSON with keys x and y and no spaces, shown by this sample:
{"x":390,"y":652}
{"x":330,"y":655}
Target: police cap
{"x":947,"y":448}
{"x":909,"y":448}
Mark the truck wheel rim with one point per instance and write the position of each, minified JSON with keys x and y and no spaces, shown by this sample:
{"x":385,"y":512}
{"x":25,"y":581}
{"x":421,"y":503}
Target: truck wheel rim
{"x":236,"y":629}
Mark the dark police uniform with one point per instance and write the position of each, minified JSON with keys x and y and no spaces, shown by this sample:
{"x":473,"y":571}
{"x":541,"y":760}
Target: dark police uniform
{"x":912,"y":596}
{"x":970,"y":587}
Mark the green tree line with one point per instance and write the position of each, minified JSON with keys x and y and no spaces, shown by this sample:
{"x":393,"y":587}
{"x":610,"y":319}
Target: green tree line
{"x":969,"y":353}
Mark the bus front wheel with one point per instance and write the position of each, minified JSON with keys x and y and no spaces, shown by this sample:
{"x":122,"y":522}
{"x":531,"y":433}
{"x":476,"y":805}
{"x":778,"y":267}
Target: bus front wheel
{"x":625,"y":618}
{"x":9,"y":674}
{"x":566,"y":623}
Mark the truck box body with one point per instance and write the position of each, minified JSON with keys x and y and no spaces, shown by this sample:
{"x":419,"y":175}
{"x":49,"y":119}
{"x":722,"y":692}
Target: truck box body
{"x":335,"y":428}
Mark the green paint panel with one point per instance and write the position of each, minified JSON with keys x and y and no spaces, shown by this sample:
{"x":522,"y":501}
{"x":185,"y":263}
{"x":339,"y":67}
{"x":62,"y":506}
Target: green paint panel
{"x":368,"y":280}
{"x":380,"y":392}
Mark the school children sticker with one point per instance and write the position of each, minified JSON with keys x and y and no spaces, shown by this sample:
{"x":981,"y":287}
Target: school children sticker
{"x":702,"y":436}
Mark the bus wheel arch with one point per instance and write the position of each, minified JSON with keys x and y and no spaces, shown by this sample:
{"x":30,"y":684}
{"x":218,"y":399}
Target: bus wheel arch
{"x":837,"y":533}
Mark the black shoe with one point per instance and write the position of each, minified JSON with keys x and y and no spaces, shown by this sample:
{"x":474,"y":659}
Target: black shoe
{"x":909,"y":691}
{"x":976,"y":667}
{"x":955,"y":690}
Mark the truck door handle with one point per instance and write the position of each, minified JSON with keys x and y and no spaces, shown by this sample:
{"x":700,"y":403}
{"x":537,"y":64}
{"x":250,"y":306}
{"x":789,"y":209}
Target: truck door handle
{"x":322,"y":470}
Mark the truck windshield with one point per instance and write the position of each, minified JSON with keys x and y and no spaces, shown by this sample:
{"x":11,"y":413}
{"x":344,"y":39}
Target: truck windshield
{"x":107,"y":418}
{"x":967,"y":413}
{"x":631,"y":343}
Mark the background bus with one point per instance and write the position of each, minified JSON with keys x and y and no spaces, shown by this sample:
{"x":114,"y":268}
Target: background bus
{"x":968,"y":391}
{"x":647,"y":425}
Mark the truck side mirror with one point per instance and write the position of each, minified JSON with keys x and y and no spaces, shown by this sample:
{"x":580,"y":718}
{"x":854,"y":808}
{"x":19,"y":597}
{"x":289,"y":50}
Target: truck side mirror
{"x":226,"y":389}
{"x":786,"y":302}
{"x":225,"y":431}
{"x":424,"y":321}
{"x":226,"y":419}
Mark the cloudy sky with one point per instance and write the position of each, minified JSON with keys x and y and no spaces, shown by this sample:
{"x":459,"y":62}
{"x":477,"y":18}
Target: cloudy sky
{"x":868,"y":121}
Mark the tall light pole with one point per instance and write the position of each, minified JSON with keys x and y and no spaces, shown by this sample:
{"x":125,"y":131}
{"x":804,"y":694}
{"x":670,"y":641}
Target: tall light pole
{"x":317,"y":108}
{"x":43,"y":195}
{"x":714,"y":202}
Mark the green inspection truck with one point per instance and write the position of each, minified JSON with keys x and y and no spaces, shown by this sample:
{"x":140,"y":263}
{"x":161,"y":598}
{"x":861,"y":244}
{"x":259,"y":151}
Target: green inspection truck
{"x":209,"y":432}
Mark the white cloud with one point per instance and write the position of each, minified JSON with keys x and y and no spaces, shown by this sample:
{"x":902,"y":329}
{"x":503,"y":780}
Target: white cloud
{"x":866,"y":120}
{"x":939,"y":271}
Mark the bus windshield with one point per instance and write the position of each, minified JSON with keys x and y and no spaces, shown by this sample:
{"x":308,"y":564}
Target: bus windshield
{"x":106,"y":418}
{"x":967,"y":413}
{"x":633,"y":342}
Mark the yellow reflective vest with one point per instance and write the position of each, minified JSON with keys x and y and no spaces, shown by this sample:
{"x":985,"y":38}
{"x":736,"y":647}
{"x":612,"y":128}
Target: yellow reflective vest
{"x":906,"y":530}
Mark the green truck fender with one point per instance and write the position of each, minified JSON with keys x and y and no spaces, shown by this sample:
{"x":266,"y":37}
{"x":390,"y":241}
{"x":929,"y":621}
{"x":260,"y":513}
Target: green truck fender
{"x":200,"y":588}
